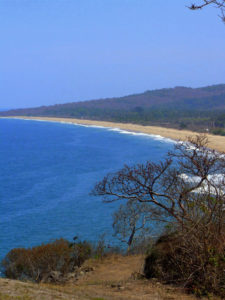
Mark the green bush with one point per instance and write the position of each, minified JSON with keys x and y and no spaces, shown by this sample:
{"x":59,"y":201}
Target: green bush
{"x":219,"y":131}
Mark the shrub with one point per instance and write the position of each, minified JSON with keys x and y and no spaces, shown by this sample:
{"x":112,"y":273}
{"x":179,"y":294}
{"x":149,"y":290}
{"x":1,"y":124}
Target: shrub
{"x":81,"y":251}
{"x":35,"y":263}
{"x":178,"y":258}
{"x":218,"y":131}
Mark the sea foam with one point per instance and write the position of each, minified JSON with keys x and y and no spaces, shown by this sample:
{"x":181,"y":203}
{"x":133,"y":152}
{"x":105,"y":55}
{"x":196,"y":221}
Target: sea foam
{"x":116,"y":129}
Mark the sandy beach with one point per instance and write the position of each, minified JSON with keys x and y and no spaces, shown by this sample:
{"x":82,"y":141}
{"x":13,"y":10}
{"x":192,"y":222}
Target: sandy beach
{"x":215,"y":142}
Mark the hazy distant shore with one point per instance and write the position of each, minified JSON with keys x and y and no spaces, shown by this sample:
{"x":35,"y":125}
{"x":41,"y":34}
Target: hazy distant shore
{"x":215,"y":142}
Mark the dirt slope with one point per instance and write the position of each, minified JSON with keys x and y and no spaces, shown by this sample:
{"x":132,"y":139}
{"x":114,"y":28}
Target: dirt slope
{"x":114,"y":278}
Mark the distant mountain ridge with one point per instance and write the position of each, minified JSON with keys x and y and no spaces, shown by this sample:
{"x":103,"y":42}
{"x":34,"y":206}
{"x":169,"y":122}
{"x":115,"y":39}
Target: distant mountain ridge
{"x":193,"y":107}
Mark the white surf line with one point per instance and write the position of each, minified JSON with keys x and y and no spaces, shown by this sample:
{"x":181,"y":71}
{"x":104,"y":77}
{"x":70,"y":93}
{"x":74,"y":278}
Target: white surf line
{"x":116,"y":129}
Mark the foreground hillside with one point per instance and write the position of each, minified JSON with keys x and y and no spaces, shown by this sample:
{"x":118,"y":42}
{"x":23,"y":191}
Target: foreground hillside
{"x":179,"y":107}
{"x":114,"y":278}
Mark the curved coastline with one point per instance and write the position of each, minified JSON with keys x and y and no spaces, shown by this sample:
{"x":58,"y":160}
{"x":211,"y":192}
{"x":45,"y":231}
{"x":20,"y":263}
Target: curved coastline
{"x":168,"y":134}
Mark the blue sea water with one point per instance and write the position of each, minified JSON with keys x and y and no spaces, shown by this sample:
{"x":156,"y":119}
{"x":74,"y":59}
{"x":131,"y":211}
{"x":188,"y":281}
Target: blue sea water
{"x":47,"y":171}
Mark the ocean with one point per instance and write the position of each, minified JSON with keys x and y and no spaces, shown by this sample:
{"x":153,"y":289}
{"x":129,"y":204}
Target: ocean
{"x":47,"y":172}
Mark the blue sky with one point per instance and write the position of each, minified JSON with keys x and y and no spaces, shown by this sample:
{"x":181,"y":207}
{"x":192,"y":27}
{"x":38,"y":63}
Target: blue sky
{"x":57,"y":51}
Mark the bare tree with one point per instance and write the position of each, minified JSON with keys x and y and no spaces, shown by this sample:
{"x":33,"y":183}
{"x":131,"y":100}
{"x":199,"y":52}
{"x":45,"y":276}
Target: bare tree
{"x":186,"y":189}
{"x":131,"y":222}
{"x":219,"y":4}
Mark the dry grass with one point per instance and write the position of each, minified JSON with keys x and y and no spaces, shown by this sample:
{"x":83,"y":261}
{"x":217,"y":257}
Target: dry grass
{"x":111,"y":280}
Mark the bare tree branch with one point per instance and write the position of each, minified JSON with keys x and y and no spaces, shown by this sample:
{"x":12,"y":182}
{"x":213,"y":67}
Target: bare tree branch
{"x":219,"y":4}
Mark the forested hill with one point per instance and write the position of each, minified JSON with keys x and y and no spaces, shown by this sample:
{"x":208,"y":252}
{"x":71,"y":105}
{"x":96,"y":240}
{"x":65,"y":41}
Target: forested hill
{"x":180,"y":107}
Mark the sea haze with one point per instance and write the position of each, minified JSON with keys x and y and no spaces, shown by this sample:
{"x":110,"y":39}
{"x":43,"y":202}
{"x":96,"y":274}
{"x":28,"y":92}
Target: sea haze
{"x":47,"y":171}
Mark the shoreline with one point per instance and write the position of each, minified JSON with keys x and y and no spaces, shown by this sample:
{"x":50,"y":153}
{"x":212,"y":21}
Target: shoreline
{"x":215,"y":141}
